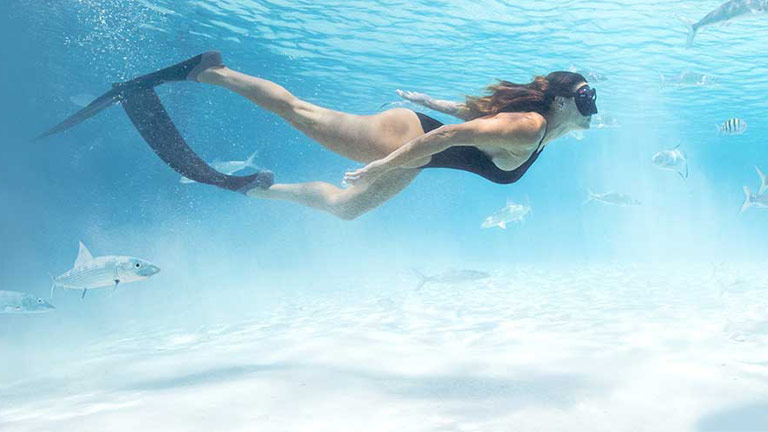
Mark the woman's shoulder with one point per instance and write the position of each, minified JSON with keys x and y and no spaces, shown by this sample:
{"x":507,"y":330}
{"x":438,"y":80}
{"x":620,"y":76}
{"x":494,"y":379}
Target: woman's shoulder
{"x":529,"y":126}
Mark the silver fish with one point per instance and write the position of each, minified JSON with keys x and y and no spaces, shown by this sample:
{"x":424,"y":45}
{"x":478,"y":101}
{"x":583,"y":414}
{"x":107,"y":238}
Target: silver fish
{"x":511,"y":213}
{"x":13,"y":302}
{"x":451,"y":277}
{"x":733,"y":126}
{"x":687,"y":79}
{"x":753,"y":200}
{"x":725,"y":13}
{"x":672,"y":160}
{"x":612,"y":198}
{"x":89,"y":272}
{"x":228,"y":167}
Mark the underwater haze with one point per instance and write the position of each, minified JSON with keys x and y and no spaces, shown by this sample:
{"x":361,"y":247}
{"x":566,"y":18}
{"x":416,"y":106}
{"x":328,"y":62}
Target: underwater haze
{"x":580,"y":315}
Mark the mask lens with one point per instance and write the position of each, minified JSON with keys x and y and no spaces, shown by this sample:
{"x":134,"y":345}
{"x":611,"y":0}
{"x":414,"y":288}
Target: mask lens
{"x":585,"y":100}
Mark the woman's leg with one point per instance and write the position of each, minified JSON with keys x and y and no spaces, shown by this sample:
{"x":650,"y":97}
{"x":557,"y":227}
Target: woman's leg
{"x":357,"y":137}
{"x":346,"y":203}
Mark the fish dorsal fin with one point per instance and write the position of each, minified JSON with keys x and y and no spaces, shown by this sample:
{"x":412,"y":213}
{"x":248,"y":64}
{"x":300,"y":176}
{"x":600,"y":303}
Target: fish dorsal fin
{"x":83,"y":255}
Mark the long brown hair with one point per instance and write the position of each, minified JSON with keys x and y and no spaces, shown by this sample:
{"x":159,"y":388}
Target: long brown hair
{"x":536,"y":96}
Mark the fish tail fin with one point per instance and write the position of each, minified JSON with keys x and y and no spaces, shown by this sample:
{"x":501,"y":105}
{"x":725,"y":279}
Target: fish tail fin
{"x":423,"y":279}
{"x":763,"y":180}
{"x":692,"y":30}
{"x":590,"y":197}
{"x":53,"y":285}
{"x":747,"y":200}
{"x":691,"y":35}
{"x":251,"y":159}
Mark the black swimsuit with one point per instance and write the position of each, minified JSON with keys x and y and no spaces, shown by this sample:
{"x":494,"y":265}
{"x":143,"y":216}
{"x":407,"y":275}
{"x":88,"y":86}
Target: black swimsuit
{"x":472,"y":159}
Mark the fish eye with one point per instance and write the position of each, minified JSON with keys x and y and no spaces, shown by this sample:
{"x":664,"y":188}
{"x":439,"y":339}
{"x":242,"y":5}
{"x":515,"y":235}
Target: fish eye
{"x":40,"y":301}
{"x":138,"y":265}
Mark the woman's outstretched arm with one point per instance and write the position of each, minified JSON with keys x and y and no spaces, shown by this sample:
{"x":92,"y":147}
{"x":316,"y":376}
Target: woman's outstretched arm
{"x":516,"y":133}
{"x":456,"y":109}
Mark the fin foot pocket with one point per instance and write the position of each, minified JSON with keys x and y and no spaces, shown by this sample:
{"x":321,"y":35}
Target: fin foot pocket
{"x":261,"y":180}
{"x":188,"y":70}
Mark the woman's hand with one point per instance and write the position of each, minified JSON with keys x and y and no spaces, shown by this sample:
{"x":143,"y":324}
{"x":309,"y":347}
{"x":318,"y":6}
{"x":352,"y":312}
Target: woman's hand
{"x":418,"y":98}
{"x":365,"y":176}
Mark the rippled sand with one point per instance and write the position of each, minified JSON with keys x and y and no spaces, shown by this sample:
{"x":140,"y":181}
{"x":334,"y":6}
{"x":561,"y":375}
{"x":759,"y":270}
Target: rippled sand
{"x":531,"y":349}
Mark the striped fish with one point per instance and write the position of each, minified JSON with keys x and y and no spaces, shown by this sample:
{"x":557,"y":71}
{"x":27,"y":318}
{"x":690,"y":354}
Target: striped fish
{"x":89,"y":272}
{"x":733,"y":126}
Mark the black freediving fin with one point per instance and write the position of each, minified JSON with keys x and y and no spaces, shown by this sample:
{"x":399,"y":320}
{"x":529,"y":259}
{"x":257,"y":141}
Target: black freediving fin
{"x":150,"y":118}
{"x":147,"y":113}
{"x":188,"y":70}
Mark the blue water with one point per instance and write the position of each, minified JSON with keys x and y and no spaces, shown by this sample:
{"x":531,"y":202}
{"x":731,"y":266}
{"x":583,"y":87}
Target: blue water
{"x":228,"y":259}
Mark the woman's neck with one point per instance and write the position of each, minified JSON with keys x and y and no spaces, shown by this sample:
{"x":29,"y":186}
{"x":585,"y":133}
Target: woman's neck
{"x":556,"y":127}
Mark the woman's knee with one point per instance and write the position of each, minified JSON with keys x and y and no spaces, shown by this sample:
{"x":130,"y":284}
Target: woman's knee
{"x":346,"y":212}
{"x":345,"y":208}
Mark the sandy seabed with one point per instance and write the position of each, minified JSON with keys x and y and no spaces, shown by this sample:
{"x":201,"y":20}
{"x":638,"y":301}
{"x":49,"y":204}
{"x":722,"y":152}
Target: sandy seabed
{"x":631,"y":348}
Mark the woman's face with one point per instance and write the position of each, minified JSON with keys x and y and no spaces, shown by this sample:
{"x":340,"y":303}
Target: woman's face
{"x":571,"y":112}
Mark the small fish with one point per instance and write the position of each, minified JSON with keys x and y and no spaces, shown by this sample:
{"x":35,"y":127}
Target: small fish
{"x":511,"y":213}
{"x":89,"y":272}
{"x":82,"y":99}
{"x":763,"y":181}
{"x":687,"y":79}
{"x":13,"y":302}
{"x":733,"y":126}
{"x":228,"y":167}
{"x":450,"y":277}
{"x":612,"y":198}
{"x":672,"y":160}
{"x":753,"y":200}
{"x":725,"y":13}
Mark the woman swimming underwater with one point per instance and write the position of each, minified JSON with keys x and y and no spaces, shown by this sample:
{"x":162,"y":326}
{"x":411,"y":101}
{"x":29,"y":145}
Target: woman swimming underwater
{"x":502,"y":134}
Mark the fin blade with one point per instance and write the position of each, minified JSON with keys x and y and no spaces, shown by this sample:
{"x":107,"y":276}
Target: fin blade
{"x":104,"y":101}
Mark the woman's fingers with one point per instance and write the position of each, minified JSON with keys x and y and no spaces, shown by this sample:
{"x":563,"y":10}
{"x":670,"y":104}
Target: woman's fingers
{"x":353,"y":176}
{"x":408,"y":95}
